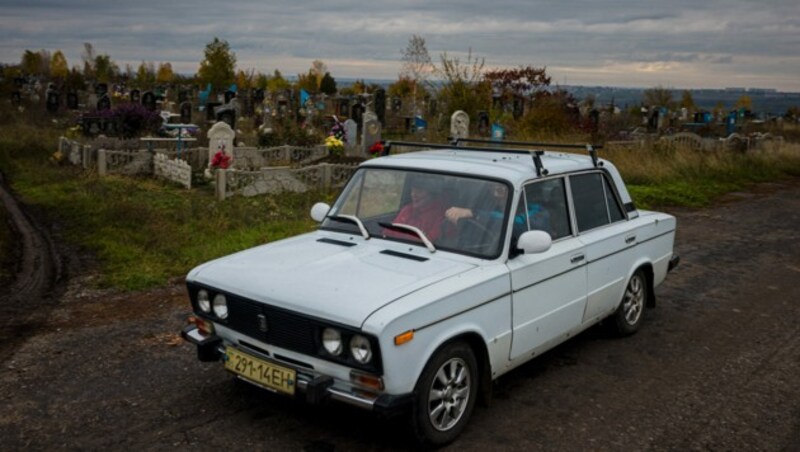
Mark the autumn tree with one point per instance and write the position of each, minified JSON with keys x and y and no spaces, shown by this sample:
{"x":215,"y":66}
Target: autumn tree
{"x":417,"y":66}
{"x":524,"y":81}
{"x":318,"y":71}
{"x":218,"y":66}
{"x":328,"y":84}
{"x":164,"y":75}
{"x":245,"y":79}
{"x":687,"y":100}
{"x":105,"y":70}
{"x":35,"y":63}
{"x":658,"y":97}
{"x":745,"y":102}
{"x":277,"y":82}
{"x":88,"y":58}
{"x":59,"y":69}
{"x":146,"y":75}
{"x":463,"y":85}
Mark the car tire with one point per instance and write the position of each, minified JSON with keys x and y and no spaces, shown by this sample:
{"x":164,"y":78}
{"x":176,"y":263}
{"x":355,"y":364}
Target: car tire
{"x":628,"y":316}
{"x":445,"y":395}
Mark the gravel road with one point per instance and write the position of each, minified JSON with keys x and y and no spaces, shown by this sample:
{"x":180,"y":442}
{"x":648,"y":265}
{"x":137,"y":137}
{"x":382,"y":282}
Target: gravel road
{"x":716,"y":365}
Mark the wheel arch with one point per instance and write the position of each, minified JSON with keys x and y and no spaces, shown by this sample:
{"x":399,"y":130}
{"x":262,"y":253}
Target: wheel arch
{"x":475,"y":342}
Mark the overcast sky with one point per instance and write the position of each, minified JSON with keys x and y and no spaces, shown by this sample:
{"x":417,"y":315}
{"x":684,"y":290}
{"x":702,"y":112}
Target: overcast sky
{"x":670,"y":43}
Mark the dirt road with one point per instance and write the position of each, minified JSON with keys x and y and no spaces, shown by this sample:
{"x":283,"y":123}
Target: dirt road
{"x":715,"y":367}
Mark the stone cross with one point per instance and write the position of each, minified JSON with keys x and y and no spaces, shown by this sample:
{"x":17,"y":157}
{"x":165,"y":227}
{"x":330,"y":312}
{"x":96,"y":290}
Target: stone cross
{"x":459,"y":125}
{"x":220,"y":137}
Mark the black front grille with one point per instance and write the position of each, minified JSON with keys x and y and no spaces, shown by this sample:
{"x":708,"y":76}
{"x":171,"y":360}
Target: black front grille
{"x":284,"y":329}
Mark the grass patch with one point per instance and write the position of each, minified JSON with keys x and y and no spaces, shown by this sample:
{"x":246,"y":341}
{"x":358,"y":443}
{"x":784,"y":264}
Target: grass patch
{"x":690,"y":178}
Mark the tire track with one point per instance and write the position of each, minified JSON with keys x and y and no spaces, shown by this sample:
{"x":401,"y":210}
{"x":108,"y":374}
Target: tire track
{"x":37,"y":274}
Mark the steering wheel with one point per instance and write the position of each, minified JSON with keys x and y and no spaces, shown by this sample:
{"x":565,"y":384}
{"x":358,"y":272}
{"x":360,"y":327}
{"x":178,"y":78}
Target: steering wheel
{"x":469,"y":228}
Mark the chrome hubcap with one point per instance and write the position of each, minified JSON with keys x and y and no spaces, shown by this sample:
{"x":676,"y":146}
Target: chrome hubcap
{"x":633,"y":304}
{"x":449,"y":394}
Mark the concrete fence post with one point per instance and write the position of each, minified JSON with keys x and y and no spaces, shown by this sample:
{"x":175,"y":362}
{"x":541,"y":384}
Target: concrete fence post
{"x":326,"y":176}
{"x":221,"y":180}
{"x":102,"y":167}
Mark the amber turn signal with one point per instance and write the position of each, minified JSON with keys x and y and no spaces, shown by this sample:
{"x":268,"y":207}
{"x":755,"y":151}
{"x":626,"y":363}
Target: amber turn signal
{"x":402,"y":338}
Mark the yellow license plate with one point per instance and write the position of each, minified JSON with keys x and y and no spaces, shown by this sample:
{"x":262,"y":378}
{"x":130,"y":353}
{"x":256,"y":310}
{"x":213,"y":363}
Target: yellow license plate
{"x":262,"y":372}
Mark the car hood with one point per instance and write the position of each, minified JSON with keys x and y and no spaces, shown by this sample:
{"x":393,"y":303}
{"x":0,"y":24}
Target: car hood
{"x":327,"y":275}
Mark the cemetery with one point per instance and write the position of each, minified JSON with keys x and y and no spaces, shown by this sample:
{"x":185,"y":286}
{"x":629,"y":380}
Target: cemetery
{"x":129,"y":178}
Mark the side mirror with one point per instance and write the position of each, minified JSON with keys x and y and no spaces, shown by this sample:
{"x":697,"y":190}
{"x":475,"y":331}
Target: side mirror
{"x":533,"y":242}
{"x":320,"y":211}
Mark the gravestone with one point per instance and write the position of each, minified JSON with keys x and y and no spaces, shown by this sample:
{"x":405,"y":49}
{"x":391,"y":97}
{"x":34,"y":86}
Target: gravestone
{"x":229,"y":95}
{"x":186,"y":112}
{"x":135,"y":96}
{"x":220,"y":137}
{"x":357,"y":113}
{"x":258,"y":96}
{"x":380,"y":105}
{"x":183,"y":96}
{"x":459,"y":125}
{"x":343,"y":107}
{"x":104,"y":103}
{"x":149,"y":100}
{"x":371,"y":132}
{"x":351,"y":133}
{"x":72,"y":100}
{"x":53,"y":100}
{"x":483,"y":123}
{"x":498,"y":132}
{"x":518,"y":107}
{"x":397,"y":104}
{"x":16,"y":97}
{"x":101,"y":89}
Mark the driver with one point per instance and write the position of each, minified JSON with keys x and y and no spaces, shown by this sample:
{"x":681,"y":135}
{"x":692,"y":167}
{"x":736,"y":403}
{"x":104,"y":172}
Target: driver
{"x":425,"y":211}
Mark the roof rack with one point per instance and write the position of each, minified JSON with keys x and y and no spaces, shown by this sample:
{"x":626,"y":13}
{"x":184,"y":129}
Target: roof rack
{"x":590,"y":148}
{"x":536,"y":155}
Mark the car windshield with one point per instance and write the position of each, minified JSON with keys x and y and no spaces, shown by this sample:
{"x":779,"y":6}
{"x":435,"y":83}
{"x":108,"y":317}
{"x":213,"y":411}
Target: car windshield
{"x":453,"y":213}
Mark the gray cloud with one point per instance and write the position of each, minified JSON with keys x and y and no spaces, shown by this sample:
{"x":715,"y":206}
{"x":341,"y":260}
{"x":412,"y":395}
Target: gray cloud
{"x":680,"y":43}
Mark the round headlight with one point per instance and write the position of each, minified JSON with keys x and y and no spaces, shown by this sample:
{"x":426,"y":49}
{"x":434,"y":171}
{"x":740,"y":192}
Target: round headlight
{"x":360,"y":349}
{"x":332,"y":341}
{"x":221,"y":306}
{"x":203,"y":302}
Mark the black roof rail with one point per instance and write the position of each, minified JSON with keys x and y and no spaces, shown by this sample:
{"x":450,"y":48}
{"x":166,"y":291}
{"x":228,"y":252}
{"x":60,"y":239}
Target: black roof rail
{"x":536,"y":155}
{"x":590,"y":148}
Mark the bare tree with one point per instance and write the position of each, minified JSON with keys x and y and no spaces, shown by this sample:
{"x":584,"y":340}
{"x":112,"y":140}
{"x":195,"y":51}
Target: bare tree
{"x":417,"y":65}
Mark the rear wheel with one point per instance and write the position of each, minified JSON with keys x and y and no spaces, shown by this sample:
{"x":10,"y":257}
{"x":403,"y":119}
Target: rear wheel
{"x":628,"y":316}
{"x":446,"y":394}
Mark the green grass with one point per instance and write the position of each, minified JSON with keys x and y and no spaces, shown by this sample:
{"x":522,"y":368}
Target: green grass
{"x":145,"y":232}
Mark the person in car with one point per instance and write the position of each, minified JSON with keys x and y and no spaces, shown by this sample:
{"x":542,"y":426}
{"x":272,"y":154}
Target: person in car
{"x":425,"y":210}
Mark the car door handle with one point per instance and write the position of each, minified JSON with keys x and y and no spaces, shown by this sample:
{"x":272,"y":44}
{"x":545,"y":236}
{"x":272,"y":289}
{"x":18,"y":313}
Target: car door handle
{"x":576,"y":258}
{"x":630,"y":239}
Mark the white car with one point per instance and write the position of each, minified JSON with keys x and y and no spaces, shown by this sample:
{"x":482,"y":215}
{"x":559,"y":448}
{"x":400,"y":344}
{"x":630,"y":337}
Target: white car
{"x":434,"y":273}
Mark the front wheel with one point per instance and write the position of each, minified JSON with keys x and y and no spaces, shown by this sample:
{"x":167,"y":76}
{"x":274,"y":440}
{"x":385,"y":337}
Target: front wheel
{"x":446,"y":394}
{"x":628,"y":316}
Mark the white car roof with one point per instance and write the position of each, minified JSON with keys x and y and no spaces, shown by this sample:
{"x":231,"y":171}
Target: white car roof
{"x":514,"y":167}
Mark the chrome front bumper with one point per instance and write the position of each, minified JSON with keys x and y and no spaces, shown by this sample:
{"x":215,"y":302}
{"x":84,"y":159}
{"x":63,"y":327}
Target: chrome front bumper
{"x":316,"y":387}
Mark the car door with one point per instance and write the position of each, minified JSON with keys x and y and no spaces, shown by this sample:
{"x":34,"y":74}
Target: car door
{"x":609,"y":242}
{"x":548,"y":289}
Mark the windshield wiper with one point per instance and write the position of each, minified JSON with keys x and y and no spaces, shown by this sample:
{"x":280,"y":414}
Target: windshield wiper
{"x":408,"y":229}
{"x":352,"y":219}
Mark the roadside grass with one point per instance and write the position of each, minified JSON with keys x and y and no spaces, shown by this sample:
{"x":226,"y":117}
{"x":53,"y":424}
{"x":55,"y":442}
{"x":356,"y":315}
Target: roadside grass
{"x":145,"y":232}
{"x":6,"y":248}
{"x":683,"y":177}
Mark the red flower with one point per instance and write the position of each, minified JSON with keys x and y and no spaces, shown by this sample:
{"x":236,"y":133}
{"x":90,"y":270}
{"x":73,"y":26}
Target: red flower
{"x":376,"y":149}
{"x":221,"y":160}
